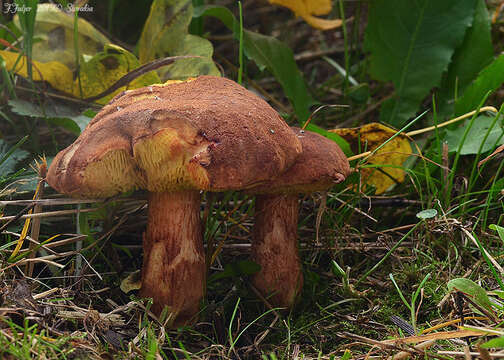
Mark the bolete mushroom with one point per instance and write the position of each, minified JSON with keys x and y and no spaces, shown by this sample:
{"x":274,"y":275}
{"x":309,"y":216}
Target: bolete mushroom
{"x":174,"y":140}
{"x":321,"y":165}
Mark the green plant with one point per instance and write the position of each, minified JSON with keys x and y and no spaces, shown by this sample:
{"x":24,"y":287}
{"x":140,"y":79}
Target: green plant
{"x":411,"y":305}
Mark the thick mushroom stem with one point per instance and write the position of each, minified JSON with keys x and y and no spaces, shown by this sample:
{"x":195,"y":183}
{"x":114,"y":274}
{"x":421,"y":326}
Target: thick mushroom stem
{"x":173,"y":272}
{"x":274,"y":247}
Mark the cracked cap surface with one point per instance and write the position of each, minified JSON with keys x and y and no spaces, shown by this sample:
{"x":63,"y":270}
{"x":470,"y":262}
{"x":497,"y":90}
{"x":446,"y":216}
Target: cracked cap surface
{"x":208,"y":133}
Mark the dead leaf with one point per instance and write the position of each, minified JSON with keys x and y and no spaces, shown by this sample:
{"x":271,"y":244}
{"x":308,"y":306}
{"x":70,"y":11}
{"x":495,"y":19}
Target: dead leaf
{"x":388,"y":160}
{"x":307,"y":8}
{"x":443,"y":335}
{"x":20,"y":295}
{"x":132,"y":282}
{"x":496,"y":151}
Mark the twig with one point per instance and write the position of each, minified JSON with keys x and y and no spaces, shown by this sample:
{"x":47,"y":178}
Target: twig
{"x":41,"y":215}
{"x":49,"y":202}
{"x":46,"y":293}
{"x":446,"y":123}
{"x":35,"y":226}
{"x":126,"y":79}
{"x":355,"y":209}
{"x":309,"y":55}
{"x":19,"y":215}
{"x":404,"y":354}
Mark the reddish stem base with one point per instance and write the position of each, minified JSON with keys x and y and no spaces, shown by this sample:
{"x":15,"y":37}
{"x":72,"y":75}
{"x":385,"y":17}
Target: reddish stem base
{"x":274,"y":247}
{"x":173,"y":272}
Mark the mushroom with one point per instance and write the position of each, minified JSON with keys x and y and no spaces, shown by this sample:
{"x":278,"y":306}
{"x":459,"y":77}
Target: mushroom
{"x":321,"y":165}
{"x":174,"y":140}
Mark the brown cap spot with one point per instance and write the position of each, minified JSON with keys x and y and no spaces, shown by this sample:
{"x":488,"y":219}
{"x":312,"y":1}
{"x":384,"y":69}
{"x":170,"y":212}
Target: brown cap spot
{"x":209,"y":133}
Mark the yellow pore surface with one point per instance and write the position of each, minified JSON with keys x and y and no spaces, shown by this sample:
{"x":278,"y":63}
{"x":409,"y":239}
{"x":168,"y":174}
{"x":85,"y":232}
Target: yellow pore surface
{"x":162,"y":162}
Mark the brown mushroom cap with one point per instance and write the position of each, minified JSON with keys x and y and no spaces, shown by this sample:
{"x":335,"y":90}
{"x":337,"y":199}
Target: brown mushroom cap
{"x":321,"y":165}
{"x":209,"y":133}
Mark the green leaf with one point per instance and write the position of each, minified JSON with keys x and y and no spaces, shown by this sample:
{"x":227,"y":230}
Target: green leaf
{"x":489,"y":79}
{"x":474,"y":54}
{"x":166,"y":34}
{"x":9,"y":161}
{"x":347,"y":355}
{"x":499,"y":229}
{"x":272,"y":54}
{"x":499,"y":293}
{"x":426,"y":214}
{"x":494,"y":343}
{"x":473,"y":290}
{"x":469,"y":59}
{"x":411,"y":44}
{"x":337,"y":270}
{"x":240,"y":268}
{"x":342,"y":143}
{"x":475,"y":136}
{"x":57,"y":114}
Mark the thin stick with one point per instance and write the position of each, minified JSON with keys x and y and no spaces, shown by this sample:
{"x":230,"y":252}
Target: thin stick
{"x":45,"y":214}
{"x":446,"y":123}
{"x":317,"y":110}
{"x":430,"y":128}
{"x":15,"y":217}
{"x":405,"y":355}
{"x":49,"y":202}
{"x":35,"y":229}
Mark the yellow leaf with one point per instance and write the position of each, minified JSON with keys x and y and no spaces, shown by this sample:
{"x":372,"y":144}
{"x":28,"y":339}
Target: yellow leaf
{"x":385,"y":166}
{"x":96,"y":75}
{"x":307,"y":8}
{"x":55,"y":73}
{"x":101,"y":63}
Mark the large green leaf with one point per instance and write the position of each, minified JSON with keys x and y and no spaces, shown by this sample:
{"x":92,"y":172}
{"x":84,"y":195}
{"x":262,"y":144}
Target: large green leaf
{"x":56,"y":113}
{"x":476,"y":135}
{"x":490,"y":78}
{"x":272,"y":54}
{"x":166,"y":34}
{"x":469,"y":59}
{"x":411,"y":44}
